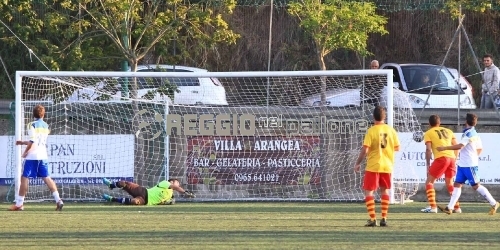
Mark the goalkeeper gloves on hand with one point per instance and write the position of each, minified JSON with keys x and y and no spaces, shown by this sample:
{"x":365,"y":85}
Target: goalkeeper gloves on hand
{"x":189,"y":194}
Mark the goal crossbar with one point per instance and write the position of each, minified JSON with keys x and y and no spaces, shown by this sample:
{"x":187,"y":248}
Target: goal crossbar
{"x":387,"y":72}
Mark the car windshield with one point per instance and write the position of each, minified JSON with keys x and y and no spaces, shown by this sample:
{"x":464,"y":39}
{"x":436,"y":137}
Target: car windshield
{"x":421,"y":78}
{"x":152,"y":82}
{"x":156,"y":83}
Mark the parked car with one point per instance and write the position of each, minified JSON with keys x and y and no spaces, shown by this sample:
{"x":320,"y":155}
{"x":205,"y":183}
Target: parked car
{"x":343,"y":97}
{"x":446,"y":93}
{"x":192,"y":91}
{"x":408,"y":90}
{"x":463,"y":81}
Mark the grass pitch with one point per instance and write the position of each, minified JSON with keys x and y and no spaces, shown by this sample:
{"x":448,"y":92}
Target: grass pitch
{"x":245,"y":226}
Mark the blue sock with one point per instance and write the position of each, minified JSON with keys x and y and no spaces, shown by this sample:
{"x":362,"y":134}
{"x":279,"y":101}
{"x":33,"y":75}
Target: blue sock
{"x":125,"y":201}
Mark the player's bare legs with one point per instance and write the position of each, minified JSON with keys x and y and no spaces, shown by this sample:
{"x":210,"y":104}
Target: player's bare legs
{"x":53,"y":190}
{"x":127,"y":186}
{"x":431,"y":194}
{"x":23,"y":190}
{"x":384,"y":205}
{"x":448,"y":181}
{"x":442,"y":166}
{"x":486,"y":194}
{"x":449,"y":184}
{"x":480,"y":189}
{"x":137,"y":192}
{"x":454,"y":198}
{"x":370,"y":208}
{"x":139,"y":200}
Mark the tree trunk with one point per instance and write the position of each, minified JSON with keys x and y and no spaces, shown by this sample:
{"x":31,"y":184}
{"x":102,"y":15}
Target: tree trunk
{"x":324,"y":139}
{"x":322,"y":66}
{"x":140,"y":145}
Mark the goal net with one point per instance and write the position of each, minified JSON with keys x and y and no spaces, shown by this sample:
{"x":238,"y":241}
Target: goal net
{"x":224,"y":135}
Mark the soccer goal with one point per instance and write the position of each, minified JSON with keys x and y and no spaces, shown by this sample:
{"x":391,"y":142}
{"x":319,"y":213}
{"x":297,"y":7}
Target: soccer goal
{"x":291,"y":136}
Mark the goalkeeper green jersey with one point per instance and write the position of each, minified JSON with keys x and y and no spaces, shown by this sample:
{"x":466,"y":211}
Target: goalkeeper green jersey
{"x":160,"y":193}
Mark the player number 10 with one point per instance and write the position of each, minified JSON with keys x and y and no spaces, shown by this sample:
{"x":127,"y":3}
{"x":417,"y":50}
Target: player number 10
{"x":442,"y":134}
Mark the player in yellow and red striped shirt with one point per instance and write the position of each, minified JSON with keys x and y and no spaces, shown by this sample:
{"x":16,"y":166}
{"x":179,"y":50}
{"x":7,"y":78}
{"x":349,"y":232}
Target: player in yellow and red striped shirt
{"x":443,"y":164}
{"x":379,"y":146}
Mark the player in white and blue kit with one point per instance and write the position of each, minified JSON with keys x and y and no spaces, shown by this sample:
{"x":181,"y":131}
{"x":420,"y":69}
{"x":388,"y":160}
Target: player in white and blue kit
{"x":35,"y":164}
{"x":470,"y":147}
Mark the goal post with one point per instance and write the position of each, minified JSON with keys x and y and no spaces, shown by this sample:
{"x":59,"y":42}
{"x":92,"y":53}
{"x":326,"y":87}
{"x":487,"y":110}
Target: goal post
{"x":270,"y":141}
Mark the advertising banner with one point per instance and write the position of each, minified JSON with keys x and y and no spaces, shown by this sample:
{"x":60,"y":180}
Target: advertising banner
{"x":229,"y":160}
{"x":411,"y":167}
{"x":80,"y":159}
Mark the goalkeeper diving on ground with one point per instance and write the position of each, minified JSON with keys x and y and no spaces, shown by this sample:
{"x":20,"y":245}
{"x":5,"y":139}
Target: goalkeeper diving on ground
{"x":161,"y":194}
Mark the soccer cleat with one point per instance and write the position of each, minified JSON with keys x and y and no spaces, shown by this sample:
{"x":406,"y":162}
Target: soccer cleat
{"x":493,"y":209}
{"x":16,"y":208}
{"x":107,"y":197}
{"x":457,"y":211}
{"x":383,"y":222}
{"x":170,"y":202}
{"x":371,"y":223}
{"x":423,"y":210}
{"x":59,"y":206}
{"x":446,"y":210}
{"x":107,"y":182}
{"x":429,"y":210}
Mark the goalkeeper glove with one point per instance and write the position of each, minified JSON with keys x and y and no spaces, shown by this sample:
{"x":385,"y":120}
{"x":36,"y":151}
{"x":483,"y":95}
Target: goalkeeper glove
{"x":189,"y":194}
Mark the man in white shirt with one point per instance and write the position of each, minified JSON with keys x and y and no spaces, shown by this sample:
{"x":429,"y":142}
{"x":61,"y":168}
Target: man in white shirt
{"x":470,"y":147}
{"x":35,"y":164}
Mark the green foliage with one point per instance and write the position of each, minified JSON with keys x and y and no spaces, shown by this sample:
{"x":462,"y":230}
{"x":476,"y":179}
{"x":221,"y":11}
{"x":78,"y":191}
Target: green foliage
{"x":135,"y":27}
{"x":338,"y":24}
{"x":44,"y":27}
{"x":15,"y":56}
{"x":96,"y":35}
{"x":454,"y":7}
{"x":167,"y":88}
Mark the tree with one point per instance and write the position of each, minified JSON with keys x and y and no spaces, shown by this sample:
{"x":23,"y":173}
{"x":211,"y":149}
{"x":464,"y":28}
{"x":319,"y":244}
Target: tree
{"x":21,"y":23}
{"x":41,"y":38}
{"x":337,"y":24}
{"x":455,"y":7}
{"x":135,"y":27}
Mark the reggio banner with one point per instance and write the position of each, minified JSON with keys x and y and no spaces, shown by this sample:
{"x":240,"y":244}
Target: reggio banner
{"x":411,"y":167}
{"x":231,"y":160}
{"x":79,"y":159}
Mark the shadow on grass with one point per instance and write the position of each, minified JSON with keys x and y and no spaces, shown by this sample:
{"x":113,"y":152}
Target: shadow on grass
{"x":240,"y":207}
{"x":373,"y":235}
{"x":200,"y":207}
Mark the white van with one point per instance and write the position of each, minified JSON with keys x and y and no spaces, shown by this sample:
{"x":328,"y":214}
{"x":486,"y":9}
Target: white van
{"x":409,"y":91}
{"x":192,"y":91}
{"x":445,"y":93}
